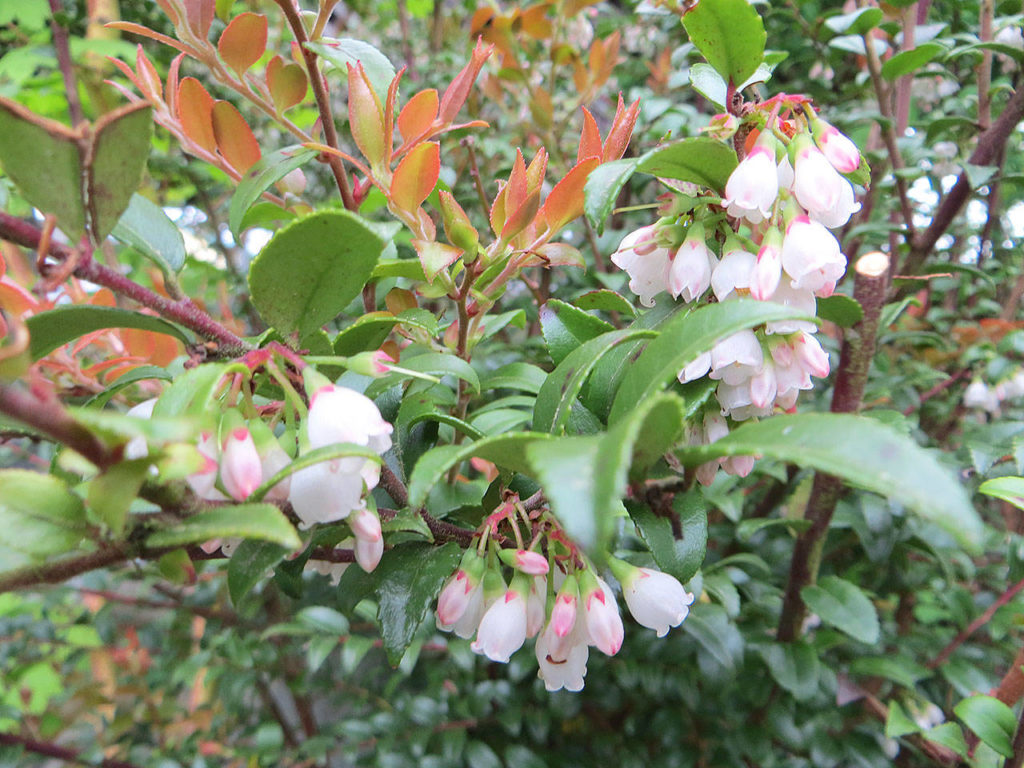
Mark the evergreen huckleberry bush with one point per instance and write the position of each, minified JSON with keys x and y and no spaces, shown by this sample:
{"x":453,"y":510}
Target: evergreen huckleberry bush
{"x":511,"y":307}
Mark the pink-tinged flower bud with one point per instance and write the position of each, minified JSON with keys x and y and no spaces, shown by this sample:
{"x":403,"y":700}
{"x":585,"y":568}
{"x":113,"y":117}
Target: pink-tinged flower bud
{"x":740,"y":466}
{"x":455,"y":596}
{"x":836,"y":146}
{"x":368,"y":553}
{"x":656,"y":600}
{"x":374,"y":364}
{"x":689,"y":274}
{"x":811,"y":356}
{"x":811,"y":255}
{"x":768,"y":268}
{"x":273,"y":459}
{"x":563,"y":615}
{"x":601,"y":612}
{"x":241,"y":471}
{"x":753,"y":186}
{"x":502,"y":629}
{"x":646,"y":262}
{"x":763,"y":386}
{"x":365,"y":524}
{"x":525,"y":561}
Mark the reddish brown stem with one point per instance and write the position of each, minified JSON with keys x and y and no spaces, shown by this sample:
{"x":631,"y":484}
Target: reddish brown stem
{"x":977,"y":624}
{"x":869,"y":289}
{"x":184,"y":311}
{"x":67,"y":71}
{"x":59,"y":753}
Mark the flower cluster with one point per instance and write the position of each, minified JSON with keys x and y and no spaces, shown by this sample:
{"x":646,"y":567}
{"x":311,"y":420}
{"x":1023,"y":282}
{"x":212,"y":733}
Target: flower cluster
{"x":567,"y":609}
{"x":990,"y":398}
{"x":774,"y":245}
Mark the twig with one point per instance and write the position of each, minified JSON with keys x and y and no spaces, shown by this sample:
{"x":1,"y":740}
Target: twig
{"x":990,"y":144}
{"x":323,"y":103}
{"x":940,"y":387}
{"x":394,"y":486}
{"x":60,"y":753}
{"x":1017,"y":760}
{"x":184,"y":311}
{"x":447,"y":531}
{"x":977,"y":624}
{"x":936,"y":752}
{"x":869,"y":289}
{"x":67,"y":71}
{"x":1011,"y":687}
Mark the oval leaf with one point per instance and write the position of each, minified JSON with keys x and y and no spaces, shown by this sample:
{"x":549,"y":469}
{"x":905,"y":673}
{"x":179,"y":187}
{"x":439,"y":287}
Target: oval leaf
{"x":700,"y":160}
{"x":39,"y":517}
{"x":235,"y":139}
{"x":120,"y":149}
{"x":49,"y":330}
{"x":312,"y":269}
{"x":379,"y":70}
{"x":865,"y":452}
{"x":243,"y":41}
{"x":195,"y":111}
{"x":992,"y":720}
{"x":680,"y":557}
{"x":844,"y":606}
{"x":286,"y":82}
{"x":602,"y":189}
{"x":730,"y":34}
{"x":259,"y":178}
{"x":263,"y":522}
{"x":145,"y":227}
{"x":418,"y":114}
{"x":416,"y":176}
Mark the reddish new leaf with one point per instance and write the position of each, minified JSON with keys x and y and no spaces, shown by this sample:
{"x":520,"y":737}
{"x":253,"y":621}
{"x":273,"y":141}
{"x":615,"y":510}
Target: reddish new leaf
{"x":234,"y":137}
{"x":243,"y":41}
{"x":418,"y":115}
{"x":457,"y":93}
{"x":590,"y":139}
{"x":287,"y":83}
{"x":365,"y":116}
{"x":565,"y":202}
{"x":195,"y":112}
{"x":416,"y":176}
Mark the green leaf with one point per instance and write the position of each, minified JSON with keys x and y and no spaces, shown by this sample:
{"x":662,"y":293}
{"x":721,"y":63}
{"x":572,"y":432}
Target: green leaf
{"x":794,"y":666}
{"x":566,"y":327}
{"x":311,"y":269}
{"x":710,"y":84}
{"x":521,"y":376}
{"x":39,"y":517}
{"x":409,"y":577}
{"x":905,"y":62}
{"x":508,"y":451}
{"x":120,"y":149}
{"x":730,"y":35}
{"x":844,"y":606}
{"x":379,"y":70}
{"x":897,"y":723}
{"x":864,"y":452}
{"x":55,"y":328}
{"x":112,"y":492}
{"x":263,"y":522}
{"x":701,"y":160}
{"x":145,"y":227}
{"x":561,"y":387}
{"x":680,"y":557}
{"x":191,"y":392}
{"x":607,"y":301}
{"x":442,"y":364}
{"x":949,"y":735}
{"x":366,"y":333}
{"x":900,"y":669}
{"x":602,"y":189}
{"x":841,"y":310}
{"x":681,"y":340}
{"x":585,"y":478}
{"x":992,"y":721}
{"x":858,"y":22}
{"x":43,"y":159}
{"x":709,"y":625}
{"x":249,"y":564}
{"x":1009,"y":489}
{"x":265,"y":172}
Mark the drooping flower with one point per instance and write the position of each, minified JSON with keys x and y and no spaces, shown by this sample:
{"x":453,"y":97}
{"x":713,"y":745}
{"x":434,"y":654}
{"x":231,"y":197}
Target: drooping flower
{"x":689,"y":274}
{"x":655,"y":599}
{"x":502,"y":629}
{"x":753,"y":186}
{"x":457,"y":593}
{"x":342,"y":415}
{"x":736,"y":358}
{"x":836,"y":146}
{"x":646,"y":262}
{"x":733,"y":273}
{"x":241,"y":470}
{"x":768,"y":267}
{"x":562,"y":661}
{"x":811,"y":256}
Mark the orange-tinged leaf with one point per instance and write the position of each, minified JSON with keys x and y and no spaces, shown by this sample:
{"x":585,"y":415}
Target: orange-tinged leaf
{"x":172,"y":84}
{"x":457,"y":92}
{"x":138,"y":29}
{"x":435,"y":256}
{"x":590,"y":139}
{"x":523,"y":216}
{"x":418,"y":114}
{"x":552,"y":255}
{"x":517,"y":188}
{"x":148,"y":76}
{"x":287,"y":83}
{"x":155,"y":348}
{"x":16,"y":300}
{"x":199,"y":14}
{"x":534,"y":21}
{"x":565,"y":202}
{"x":195,"y":111}
{"x":536,"y":170}
{"x":622,"y":129}
{"x":389,"y":116}
{"x":497,"y":213}
{"x":480,"y":19}
{"x":416,"y":176}
{"x":234,"y":137}
{"x":365,"y":116}
{"x":572,"y":7}
{"x":541,"y":108}
{"x":243,"y":41}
